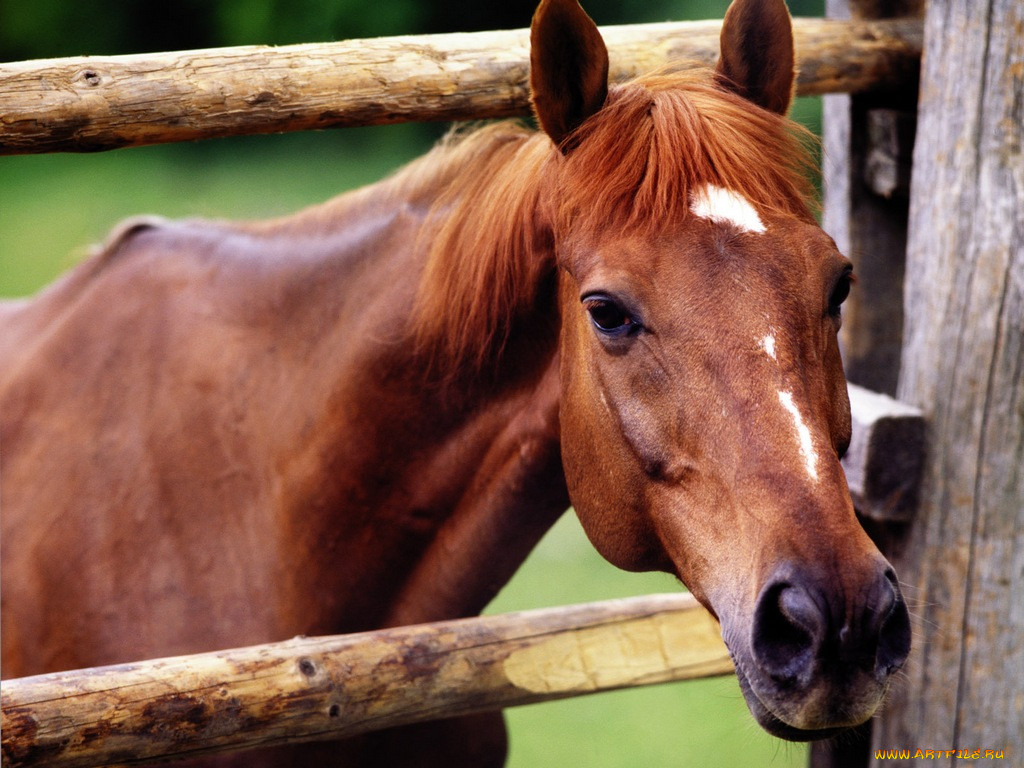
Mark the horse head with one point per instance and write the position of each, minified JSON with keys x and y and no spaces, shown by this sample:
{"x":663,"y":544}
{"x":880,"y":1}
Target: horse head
{"x":704,"y":407}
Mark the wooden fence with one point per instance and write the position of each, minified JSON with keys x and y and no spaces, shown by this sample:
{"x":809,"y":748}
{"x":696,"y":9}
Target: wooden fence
{"x":310,"y":689}
{"x":93,"y":103}
{"x":939,"y":321}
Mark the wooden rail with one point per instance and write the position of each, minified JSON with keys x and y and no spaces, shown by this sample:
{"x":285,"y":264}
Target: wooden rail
{"x":310,"y":689}
{"x":885,"y":459}
{"x":97,"y":103}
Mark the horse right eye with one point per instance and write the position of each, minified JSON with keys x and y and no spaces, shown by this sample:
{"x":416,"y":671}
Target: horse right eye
{"x":840,"y":292}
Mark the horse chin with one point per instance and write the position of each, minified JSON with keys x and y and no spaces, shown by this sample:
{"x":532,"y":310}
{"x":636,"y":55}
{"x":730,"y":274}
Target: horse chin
{"x":771,"y":723}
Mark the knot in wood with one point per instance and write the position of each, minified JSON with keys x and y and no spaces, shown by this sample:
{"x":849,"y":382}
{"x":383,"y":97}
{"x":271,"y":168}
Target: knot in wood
{"x":89,"y":78}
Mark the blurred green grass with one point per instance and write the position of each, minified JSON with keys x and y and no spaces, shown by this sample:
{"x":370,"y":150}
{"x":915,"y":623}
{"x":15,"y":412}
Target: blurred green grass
{"x":52,"y":207}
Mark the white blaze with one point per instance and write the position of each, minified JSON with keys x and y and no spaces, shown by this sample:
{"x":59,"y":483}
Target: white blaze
{"x":768,"y":345}
{"x":803,"y":434}
{"x":723,"y":206}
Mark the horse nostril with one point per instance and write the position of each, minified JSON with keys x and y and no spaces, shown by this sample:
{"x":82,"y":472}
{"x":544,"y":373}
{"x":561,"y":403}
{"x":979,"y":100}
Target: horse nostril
{"x":881,"y":636}
{"x":787,"y":632}
{"x":797,"y":634}
{"x":894,"y":629}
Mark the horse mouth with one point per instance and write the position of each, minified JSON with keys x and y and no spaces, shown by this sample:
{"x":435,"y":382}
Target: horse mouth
{"x":771,"y":722}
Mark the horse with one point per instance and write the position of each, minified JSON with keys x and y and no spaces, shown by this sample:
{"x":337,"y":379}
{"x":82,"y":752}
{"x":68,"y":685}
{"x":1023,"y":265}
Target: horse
{"x":367,"y":413}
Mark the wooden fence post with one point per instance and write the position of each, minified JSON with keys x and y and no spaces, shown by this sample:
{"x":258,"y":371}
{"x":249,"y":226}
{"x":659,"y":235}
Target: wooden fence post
{"x":962,"y":558}
{"x":868,"y":139}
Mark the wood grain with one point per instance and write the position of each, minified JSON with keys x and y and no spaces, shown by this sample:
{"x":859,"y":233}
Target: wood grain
{"x":96,"y":103}
{"x":310,"y":689}
{"x":963,"y":363}
{"x":869,"y":227}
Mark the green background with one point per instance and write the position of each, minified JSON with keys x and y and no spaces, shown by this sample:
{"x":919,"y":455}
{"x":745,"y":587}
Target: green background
{"x":53,"y":207}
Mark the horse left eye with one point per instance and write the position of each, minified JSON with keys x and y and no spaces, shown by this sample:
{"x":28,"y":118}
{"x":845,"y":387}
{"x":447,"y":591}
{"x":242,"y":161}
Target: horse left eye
{"x":609,"y":317}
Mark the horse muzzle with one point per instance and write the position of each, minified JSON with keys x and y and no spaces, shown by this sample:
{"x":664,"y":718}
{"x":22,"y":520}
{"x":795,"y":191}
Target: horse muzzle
{"x":818,"y":655}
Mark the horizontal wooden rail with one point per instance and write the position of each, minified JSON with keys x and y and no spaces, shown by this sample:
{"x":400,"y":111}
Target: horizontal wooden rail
{"x":885,"y":461}
{"x":96,"y":103}
{"x":310,"y":689}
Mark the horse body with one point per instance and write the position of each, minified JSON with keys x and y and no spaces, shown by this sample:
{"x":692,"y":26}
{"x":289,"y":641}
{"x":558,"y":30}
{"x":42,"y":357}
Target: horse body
{"x":367,"y":414}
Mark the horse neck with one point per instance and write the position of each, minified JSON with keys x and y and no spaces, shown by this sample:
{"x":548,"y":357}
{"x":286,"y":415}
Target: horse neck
{"x":454,"y":457}
{"x":456,"y":479}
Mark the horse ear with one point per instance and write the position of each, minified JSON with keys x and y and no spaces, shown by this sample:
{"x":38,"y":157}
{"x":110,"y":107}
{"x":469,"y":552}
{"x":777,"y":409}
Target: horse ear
{"x":757,"y":59}
{"x":568,"y":68}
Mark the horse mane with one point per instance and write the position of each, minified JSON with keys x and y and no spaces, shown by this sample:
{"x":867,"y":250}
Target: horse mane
{"x":489,"y":243}
{"x":487,"y":246}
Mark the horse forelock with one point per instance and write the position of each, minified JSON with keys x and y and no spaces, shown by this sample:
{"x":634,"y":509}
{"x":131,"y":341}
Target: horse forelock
{"x":661,"y":139}
{"x":500,"y":193}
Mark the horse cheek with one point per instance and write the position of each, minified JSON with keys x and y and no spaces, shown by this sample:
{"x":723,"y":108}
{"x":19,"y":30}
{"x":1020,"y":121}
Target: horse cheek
{"x":607,"y":496}
{"x":605,"y":486}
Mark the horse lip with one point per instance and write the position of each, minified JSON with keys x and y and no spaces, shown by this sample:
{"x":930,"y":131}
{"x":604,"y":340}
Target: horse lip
{"x":769,"y":721}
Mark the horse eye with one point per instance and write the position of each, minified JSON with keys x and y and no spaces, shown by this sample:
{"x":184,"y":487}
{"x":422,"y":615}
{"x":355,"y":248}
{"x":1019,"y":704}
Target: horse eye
{"x":609,"y":317}
{"x":840,"y":292}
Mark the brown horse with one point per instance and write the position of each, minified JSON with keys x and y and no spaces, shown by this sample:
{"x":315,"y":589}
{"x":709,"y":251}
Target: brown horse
{"x":367,"y":413}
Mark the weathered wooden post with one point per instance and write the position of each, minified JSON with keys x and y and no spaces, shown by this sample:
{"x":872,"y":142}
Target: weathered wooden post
{"x":868,"y":139}
{"x":962,"y":558}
